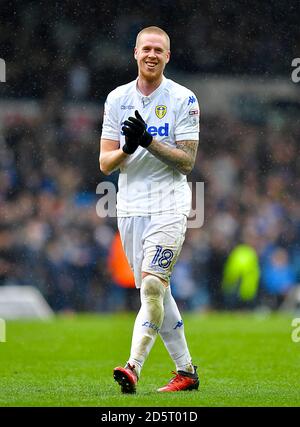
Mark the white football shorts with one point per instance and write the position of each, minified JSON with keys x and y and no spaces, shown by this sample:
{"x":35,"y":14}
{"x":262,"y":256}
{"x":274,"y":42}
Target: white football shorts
{"x":152,"y":243}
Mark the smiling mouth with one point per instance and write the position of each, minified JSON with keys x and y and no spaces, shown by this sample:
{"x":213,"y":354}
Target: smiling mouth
{"x":151,"y":64}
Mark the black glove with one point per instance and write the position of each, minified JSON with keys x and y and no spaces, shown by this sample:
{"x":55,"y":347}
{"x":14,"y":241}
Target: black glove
{"x":131,"y":144}
{"x":131,"y":140}
{"x":136,"y":129}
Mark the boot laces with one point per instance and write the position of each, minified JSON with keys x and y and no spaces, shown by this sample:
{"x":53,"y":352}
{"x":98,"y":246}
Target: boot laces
{"x":177,"y":379}
{"x":131,"y":367}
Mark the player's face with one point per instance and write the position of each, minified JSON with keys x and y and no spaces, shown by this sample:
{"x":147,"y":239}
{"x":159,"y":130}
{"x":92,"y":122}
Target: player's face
{"x":152,"y":55}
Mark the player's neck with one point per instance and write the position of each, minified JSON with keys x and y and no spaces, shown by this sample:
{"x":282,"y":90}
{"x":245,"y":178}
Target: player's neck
{"x":146,"y":87}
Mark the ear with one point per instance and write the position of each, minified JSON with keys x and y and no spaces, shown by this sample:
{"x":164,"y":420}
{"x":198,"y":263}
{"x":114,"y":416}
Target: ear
{"x":168,"y":56}
{"x":135,"y":53}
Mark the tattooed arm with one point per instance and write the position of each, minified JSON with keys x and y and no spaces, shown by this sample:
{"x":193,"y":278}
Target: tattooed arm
{"x":181,"y":158}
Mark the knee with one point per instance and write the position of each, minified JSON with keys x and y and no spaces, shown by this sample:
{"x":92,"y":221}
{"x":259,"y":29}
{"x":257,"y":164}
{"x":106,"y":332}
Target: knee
{"x":152,"y":287}
{"x":165,"y":282}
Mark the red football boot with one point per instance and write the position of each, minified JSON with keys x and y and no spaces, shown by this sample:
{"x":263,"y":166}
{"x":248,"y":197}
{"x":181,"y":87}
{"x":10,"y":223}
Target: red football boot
{"x":127,"y":378}
{"x":182,"y":381}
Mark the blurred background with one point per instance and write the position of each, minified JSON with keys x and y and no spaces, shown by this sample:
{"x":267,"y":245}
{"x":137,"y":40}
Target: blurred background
{"x":62,"y":59}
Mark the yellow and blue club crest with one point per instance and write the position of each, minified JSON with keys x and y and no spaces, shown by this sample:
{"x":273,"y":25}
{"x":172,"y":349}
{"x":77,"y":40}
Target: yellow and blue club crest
{"x":160,"y":111}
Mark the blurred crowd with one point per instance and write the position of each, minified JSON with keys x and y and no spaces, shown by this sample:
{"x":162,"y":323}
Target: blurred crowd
{"x":51,"y":236}
{"x":87,"y":46}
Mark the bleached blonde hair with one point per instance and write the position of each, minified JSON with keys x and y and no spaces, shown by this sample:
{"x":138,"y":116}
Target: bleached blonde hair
{"x":155,"y":30}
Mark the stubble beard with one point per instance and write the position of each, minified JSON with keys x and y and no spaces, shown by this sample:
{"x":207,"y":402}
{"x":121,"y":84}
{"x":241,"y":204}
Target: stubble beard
{"x":151,"y":77}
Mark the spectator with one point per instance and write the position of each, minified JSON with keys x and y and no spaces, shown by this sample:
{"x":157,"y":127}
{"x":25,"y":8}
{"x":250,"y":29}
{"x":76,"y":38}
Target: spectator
{"x":241,"y":277}
{"x":278,"y":277}
{"x":122,"y":279}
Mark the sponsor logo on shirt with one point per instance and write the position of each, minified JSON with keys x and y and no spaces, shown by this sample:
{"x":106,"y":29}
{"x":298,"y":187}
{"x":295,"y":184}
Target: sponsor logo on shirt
{"x":160,"y":111}
{"x":192,"y":99}
{"x":127,"y":107}
{"x":194,"y":116}
{"x":155,"y":130}
{"x":194,"y":112}
{"x":161,"y":130}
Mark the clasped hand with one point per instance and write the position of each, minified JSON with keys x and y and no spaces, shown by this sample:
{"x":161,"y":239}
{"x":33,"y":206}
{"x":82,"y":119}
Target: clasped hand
{"x":135,"y":131}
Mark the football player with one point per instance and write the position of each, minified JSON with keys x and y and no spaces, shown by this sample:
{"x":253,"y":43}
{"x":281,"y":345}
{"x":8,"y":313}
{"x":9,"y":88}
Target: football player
{"x":151,"y":133}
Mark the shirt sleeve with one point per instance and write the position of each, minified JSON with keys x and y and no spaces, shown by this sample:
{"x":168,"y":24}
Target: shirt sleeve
{"x":110,"y":126}
{"x":188,"y":119}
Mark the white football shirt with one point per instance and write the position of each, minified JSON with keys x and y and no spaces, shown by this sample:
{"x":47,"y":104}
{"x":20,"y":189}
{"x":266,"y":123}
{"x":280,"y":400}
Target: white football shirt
{"x":147,"y":186}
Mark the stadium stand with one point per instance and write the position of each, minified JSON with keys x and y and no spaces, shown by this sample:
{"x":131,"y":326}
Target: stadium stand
{"x":60,"y":65}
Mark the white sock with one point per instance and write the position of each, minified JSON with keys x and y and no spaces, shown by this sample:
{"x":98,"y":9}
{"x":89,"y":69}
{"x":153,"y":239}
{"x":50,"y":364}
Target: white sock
{"x":148,"y":321}
{"x":172,"y":334}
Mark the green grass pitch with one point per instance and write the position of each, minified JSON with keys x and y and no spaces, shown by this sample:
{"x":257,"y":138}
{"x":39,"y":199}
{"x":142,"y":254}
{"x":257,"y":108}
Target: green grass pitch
{"x":243,"y":360}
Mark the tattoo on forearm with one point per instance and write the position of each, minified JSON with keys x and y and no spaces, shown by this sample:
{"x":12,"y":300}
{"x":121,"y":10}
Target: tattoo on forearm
{"x":190,"y":148}
{"x":184,"y":163}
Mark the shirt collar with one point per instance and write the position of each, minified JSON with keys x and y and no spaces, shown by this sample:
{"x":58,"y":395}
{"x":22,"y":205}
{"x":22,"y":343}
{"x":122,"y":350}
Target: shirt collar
{"x":152,"y":94}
